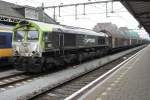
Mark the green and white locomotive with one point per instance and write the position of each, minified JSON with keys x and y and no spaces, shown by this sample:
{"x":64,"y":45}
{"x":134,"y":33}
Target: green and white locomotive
{"x":40,"y":46}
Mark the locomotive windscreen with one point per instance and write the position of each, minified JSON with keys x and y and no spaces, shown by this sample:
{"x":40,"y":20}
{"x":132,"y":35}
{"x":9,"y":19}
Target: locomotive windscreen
{"x":19,"y":35}
{"x":33,"y":35}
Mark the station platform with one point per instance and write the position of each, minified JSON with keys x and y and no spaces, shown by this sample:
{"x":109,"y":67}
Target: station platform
{"x":130,"y":82}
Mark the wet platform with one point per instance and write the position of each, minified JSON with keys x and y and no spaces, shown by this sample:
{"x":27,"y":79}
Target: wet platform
{"x":130,"y":82}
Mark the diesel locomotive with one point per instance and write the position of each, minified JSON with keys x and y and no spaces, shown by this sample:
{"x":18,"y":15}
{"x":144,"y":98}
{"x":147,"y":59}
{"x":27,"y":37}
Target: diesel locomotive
{"x":40,"y":46}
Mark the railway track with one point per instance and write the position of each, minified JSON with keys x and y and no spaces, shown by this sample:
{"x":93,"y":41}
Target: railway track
{"x":68,"y":88}
{"x":12,"y":79}
{"x":9,"y":73}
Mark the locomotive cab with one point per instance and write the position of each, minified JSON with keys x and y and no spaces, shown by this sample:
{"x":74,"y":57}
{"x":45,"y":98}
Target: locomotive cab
{"x":29,"y":42}
{"x":26,"y":41}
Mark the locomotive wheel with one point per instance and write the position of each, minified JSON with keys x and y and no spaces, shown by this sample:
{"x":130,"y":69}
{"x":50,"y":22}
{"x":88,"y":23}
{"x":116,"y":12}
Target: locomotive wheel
{"x":69,"y":59}
{"x":24,"y":64}
{"x":58,"y":62}
{"x":44,"y":69}
{"x":49,"y":63}
{"x":80,"y":58}
{"x":36,"y":65}
{"x":85,"y":56}
{"x":97,"y":54}
{"x":17,"y":62}
{"x":73,"y":57}
{"x":91,"y":55}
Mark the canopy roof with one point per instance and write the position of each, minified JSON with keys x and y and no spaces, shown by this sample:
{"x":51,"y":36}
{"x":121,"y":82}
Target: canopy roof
{"x":140,"y":10}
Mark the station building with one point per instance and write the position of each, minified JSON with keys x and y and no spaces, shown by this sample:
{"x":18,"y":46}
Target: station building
{"x":11,"y":14}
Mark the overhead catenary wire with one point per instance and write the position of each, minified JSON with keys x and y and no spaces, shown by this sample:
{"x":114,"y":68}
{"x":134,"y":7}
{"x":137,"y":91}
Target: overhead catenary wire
{"x":34,"y":2}
{"x":77,"y":14}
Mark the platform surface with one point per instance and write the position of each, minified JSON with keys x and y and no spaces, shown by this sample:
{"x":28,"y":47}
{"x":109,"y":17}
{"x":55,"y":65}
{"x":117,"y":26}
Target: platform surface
{"x":130,"y":82}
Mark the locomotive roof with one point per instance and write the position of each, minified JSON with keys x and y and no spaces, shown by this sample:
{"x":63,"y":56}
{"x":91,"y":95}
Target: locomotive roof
{"x":65,"y":29}
{"x":83,"y":31}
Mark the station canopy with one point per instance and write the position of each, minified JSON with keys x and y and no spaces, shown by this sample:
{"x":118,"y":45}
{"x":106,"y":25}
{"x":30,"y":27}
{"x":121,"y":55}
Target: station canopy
{"x":140,"y":10}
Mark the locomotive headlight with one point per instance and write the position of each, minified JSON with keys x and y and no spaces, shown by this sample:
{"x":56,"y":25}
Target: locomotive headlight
{"x":35,"y":53}
{"x":16,"y":52}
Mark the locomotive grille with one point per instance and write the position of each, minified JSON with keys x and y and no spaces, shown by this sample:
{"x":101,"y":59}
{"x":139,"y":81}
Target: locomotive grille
{"x":24,"y":48}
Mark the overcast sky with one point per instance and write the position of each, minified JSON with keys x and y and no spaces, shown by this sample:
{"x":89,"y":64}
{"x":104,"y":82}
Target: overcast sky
{"x":94,"y":13}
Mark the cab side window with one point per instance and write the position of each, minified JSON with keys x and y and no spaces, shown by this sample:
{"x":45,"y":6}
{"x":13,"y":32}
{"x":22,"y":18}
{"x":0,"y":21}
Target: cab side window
{"x":101,"y":40}
{"x":47,"y":36}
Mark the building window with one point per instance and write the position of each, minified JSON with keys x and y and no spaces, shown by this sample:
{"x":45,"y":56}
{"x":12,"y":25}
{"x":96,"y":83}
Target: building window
{"x":31,"y":13}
